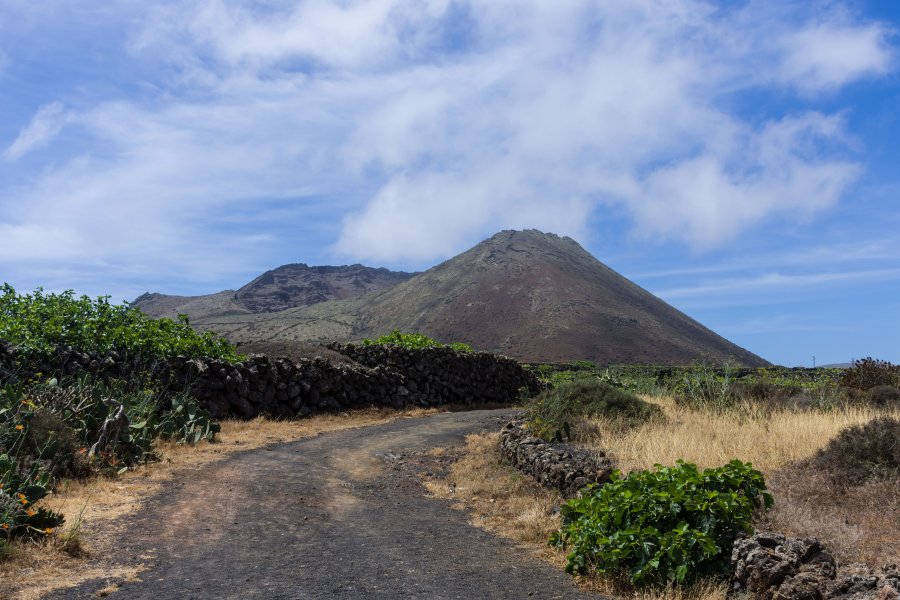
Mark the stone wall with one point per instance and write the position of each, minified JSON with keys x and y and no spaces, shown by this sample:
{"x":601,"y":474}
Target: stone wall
{"x":281,"y":387}
{"x":445,"y":376}
{"x":555,"y":466}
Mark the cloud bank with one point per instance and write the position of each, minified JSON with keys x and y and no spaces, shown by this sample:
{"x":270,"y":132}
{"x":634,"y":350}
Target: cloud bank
{"x":408,"y":129}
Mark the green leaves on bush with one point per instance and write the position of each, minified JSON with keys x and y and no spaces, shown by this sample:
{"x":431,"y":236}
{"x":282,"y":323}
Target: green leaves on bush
{"x":553,"y":412}
{"x":671,"y":524}
{"x":414,"y":341}
{"x":186,"y":422}
{"x":40,"y":323}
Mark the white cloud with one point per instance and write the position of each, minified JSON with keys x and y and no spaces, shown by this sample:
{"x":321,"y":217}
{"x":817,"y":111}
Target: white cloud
{"x":709,"y":199}
{"x":772,"y":283}
{"x":826,"y":56}
{"x":432,"y":123}
{"x":46,"y":124}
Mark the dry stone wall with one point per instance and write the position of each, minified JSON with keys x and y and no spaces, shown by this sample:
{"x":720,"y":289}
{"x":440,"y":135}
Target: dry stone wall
{"x":445,"y":376}
{"x":555,"y":466}
{"x":281,"y":387}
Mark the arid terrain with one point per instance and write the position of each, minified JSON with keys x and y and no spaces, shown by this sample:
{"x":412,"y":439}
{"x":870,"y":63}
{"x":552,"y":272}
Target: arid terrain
{"x":533,"y":296}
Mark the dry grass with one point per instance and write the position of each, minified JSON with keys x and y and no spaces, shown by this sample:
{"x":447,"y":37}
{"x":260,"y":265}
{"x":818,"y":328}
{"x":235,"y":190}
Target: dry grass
{"x":860,"y":524}
{"x":769,"y":440}
{"x":501,"y":499}
{"x":35,"y":569}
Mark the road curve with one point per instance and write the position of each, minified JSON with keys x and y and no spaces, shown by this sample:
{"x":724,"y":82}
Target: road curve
{"x":326,"y":517}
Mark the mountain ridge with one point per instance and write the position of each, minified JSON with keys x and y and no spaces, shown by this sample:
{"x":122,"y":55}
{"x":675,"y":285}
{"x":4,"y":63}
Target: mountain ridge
{"x":288,"y":286}
{"x":530,"y":295}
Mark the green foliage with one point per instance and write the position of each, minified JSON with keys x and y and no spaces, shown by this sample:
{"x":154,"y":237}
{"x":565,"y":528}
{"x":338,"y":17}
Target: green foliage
{"x":24,"y":478}
{"x":552,"y":413}
{"x":414,"y":341}
{"x":40,"y":323}
{"x":186,"y":422}
{"x":703,"y":388}
{"x":867,"y":373}
{"x":671,"y":524}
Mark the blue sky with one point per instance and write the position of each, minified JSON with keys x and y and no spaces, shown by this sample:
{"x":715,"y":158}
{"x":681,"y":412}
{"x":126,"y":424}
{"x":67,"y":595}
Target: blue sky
{"x":738,"y":159}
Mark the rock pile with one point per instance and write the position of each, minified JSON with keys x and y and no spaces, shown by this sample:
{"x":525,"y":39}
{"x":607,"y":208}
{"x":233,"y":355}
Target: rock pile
{"x":774,"y":567}
{"x":555,"y":466}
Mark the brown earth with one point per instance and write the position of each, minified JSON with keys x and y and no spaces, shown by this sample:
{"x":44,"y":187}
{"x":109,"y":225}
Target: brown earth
{"x":341,"y":515}
{"x":529,"y":295}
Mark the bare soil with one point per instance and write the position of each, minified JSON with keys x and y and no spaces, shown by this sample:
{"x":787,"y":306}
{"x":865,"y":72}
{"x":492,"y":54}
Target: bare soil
{"x":340,"y":515}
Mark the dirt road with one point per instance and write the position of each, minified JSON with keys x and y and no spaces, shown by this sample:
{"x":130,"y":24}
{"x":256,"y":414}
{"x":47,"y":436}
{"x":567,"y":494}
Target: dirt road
{"x":334,"y":516}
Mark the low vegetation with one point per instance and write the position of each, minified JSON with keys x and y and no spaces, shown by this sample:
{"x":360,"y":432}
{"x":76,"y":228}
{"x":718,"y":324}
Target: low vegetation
{"x":669,"y":524}
{"x":414,"y":341}
{"x":823,"y":441}
{"x":40,"y":323}
{"x":559,"y":413}
{"x":77,"y":428}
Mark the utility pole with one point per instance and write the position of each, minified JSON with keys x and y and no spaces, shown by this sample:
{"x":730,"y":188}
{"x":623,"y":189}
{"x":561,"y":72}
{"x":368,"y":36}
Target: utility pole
{"x":814,"y":361}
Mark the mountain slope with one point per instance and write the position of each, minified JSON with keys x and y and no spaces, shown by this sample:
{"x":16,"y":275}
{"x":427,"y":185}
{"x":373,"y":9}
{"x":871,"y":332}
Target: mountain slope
{"x":526,"y":294}
{"x":288,"y":286}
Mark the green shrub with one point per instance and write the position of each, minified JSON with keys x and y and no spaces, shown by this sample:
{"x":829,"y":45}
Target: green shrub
{"x":704,"y":387}
{"x":552,"y":413}
{"x":40,"y":323}
{"x":22,"y":484}
{"x":24,"y":478}
{"x":414,"y":341}
{"x":671,"y":524}
{"x":867,"y":373}
{"x":862,"y":452}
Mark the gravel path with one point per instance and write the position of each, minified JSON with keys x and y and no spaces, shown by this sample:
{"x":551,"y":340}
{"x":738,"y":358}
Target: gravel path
{"x":334,"y":516}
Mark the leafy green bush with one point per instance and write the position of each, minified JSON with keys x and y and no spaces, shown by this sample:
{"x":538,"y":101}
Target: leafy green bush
{"x":671,"y":524}
{"x":40,"y":323}
{"x":414,"y":341}
{"x":552,"y":413}
{"x":867,"y":373}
